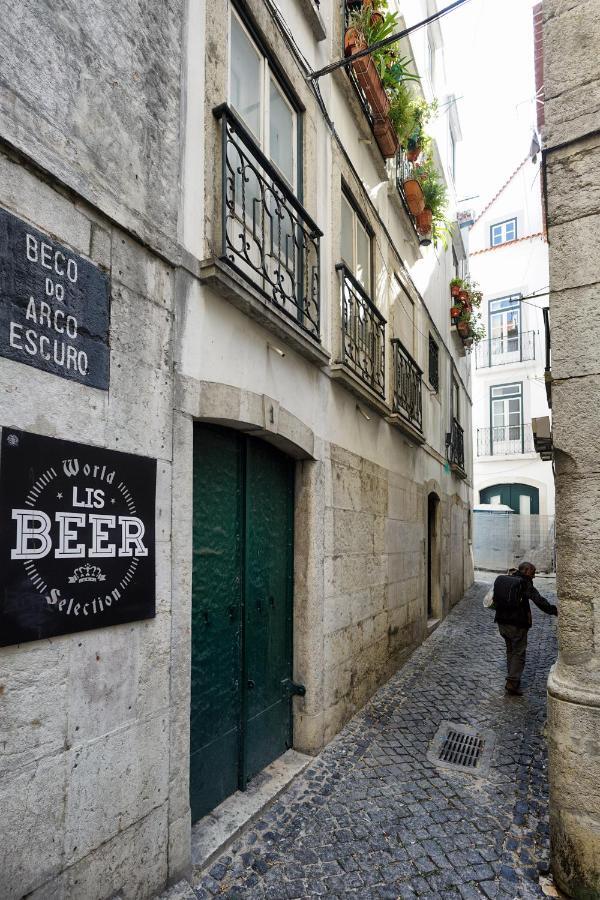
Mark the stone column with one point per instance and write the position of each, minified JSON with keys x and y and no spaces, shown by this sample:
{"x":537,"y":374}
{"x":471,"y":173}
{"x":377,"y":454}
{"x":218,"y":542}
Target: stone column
{"x":572,"y":142}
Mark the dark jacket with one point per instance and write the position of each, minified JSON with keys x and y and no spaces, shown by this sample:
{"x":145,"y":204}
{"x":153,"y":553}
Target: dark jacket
{"x":516,"y":611}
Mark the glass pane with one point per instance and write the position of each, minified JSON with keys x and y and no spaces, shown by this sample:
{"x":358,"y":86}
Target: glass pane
{"x":363,"y":257}
{"x":347,"y":242}
{"x":510,"y":231}
{"x":245,"y":78}
{"x":281,"y":133}
{"x":498,"y":413}
{"x":496,"y":234}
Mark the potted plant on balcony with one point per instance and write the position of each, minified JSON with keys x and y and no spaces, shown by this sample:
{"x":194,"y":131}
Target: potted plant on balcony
{"x":463,"y":326}
{"x":381,"y":74}
{"x":456,"y":285}
{"x":417,"y":140}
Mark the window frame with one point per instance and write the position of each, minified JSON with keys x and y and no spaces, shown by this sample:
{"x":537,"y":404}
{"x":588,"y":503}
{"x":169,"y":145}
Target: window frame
{"x":270,"y":69}
{"x":503,"y":225}
{"x":513,"y":302}
{"x":455,"y":406}
{"x":434,"y":384}
{"x":357,"y":216}
{"x":518,"y":394}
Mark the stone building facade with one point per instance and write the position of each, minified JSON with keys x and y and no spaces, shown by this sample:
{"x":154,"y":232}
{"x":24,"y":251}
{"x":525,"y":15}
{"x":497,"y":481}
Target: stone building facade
{"x":311,"y":516}
{"x":572,"y":170}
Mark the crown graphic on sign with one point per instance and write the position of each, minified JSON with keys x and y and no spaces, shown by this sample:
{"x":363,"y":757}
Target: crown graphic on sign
{"x":87,"y":573}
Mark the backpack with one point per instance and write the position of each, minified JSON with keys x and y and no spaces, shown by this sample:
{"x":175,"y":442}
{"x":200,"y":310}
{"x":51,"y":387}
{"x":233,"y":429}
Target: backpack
{"x":508,"y":592}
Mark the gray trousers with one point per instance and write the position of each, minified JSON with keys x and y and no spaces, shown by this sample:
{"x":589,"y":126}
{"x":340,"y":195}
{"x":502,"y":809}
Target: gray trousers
{"x":516,"y":647}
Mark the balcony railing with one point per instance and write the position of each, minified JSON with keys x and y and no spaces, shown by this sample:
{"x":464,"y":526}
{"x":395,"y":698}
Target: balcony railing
{"x":504,"y":440}
{"x":266,"y":234}
{"x":404,"y":171}
{"x":348,"y":7}
{"x":455,"y":445}
{"x":503,"y":350}
{"x":363,"y":333}
{"x":408,"y":400}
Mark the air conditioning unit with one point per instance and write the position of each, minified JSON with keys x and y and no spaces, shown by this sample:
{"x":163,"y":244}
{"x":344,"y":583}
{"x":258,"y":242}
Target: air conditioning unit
{"x":542,"y":437}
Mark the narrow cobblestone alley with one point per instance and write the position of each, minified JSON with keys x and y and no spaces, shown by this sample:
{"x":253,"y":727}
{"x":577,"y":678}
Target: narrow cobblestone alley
{"x":373,"y":817}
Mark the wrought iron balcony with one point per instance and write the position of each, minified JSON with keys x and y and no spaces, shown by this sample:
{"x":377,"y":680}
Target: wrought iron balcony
{"x":404,"y":171}
{"x":505,"y":440}
{"x":348,"y":7}
{"x":266,"y":234}
{"x":363,"y":333}
{"x":455,"y":446}
{"x":408,"y":400}
{"x":503,"y":350}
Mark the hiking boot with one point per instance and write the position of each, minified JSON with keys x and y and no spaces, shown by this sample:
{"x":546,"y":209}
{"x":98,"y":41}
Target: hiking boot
{"x":514,"y":690}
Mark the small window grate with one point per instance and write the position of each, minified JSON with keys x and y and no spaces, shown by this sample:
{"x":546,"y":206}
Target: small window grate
{"x":461,"y":749}
{"x":434,"y":374}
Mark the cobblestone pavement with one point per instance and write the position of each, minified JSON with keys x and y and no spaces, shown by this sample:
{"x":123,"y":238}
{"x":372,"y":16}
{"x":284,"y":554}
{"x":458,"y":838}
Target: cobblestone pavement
{"x":372,"y":817}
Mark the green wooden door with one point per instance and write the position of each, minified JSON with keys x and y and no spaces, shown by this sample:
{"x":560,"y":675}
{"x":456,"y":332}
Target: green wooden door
{"x":216,"y":619}
{"x":241,"y":612}
{"x":268,"y":606}
{"x":511,"y":495}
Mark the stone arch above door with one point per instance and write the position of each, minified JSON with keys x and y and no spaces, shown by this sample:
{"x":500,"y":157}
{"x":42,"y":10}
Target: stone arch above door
{"x":258,"y":414}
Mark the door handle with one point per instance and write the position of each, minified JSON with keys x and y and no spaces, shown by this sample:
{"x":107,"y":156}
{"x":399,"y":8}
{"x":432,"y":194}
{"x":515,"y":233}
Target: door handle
{"x":251,"y":683}
{"x":293,"y":688}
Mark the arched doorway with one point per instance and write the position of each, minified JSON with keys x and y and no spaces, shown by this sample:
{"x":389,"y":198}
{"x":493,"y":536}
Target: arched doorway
{"x":242,"y":583}
{"x":522,"y":498}
{"x":434,"y":605}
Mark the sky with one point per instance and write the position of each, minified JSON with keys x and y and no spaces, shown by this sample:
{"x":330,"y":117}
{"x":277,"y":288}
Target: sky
{"x":488,"y":49}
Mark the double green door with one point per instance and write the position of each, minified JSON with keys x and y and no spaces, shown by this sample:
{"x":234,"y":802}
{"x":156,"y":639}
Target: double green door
{"x":241,"y":612}
{"x":522,"y":498}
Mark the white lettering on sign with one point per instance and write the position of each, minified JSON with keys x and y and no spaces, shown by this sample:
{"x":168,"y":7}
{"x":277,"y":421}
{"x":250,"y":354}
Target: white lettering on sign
{"x":42,"y":253}
{"x":91,"y":606}
{"x":33,"y":534}
{"x":34,"y":541}
{"x":60,"y":352}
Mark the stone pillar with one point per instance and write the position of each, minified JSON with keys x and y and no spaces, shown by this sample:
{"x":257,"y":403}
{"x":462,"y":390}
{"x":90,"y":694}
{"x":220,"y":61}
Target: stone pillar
{"x":572,"y":142}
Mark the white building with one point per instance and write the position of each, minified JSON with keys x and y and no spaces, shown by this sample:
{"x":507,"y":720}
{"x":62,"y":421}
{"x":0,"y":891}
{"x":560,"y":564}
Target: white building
{"x":508,"y":256}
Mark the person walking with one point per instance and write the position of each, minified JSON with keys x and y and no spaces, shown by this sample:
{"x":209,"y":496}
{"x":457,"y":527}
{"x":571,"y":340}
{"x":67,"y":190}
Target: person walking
{"x":512,"y":594}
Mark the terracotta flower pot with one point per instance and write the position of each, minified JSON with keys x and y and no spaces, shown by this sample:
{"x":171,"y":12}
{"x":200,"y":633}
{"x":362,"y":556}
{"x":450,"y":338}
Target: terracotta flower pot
{"x":455,"y":311}
{"x":463,"y":328}
{"x":424,"y":221}
{"x":386,"y":138}
{"x":414,"y":196}
{"x":413,"y":153}
{"x":454,"y":290}
{"x":366,"y":74}
{"x":463,"y":296}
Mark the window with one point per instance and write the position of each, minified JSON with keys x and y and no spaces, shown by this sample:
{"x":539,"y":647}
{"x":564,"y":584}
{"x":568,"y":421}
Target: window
{"x":505,"y":327}
{"x":503,"y":232}
{"x":506,"y":412}
{"x":452,"y":155}
{"x":404,"y":315}
{"x":430,"y":59}
{"x":356,"y":245}
{"x":259,"y":99}
{"x":455,"y":407}
{"x":434,"y":374}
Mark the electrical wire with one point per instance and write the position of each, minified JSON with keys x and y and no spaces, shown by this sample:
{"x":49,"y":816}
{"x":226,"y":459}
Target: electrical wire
{"x":392,"y":39}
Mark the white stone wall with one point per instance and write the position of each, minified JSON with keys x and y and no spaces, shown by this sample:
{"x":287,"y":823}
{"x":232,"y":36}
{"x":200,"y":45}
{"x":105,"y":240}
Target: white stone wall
{"x":84,"y":757}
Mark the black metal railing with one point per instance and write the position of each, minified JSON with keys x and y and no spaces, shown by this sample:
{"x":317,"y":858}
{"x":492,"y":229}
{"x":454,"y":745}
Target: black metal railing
{"x":363,"y":333}
{"x":505,"y":440}
{"x":404,"y":171}
{"x":408,"y":400}
{"x":503,"y":350}
{"x":348,"y":7}
{"x":267,"y":235}
{"x":434,"y":364}
{"x":455,"y":445}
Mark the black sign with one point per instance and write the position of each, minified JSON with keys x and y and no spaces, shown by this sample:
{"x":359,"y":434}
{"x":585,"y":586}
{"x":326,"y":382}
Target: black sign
{"x":76,"y":537}
{"x":53,"y":306}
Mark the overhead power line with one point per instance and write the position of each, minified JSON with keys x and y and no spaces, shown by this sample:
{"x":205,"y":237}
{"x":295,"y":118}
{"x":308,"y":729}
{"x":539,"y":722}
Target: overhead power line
{"x":392,"y":39}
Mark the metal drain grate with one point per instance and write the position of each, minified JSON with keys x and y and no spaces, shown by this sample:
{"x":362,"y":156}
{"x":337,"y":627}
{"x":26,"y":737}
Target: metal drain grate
{"x":461,"y":747}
